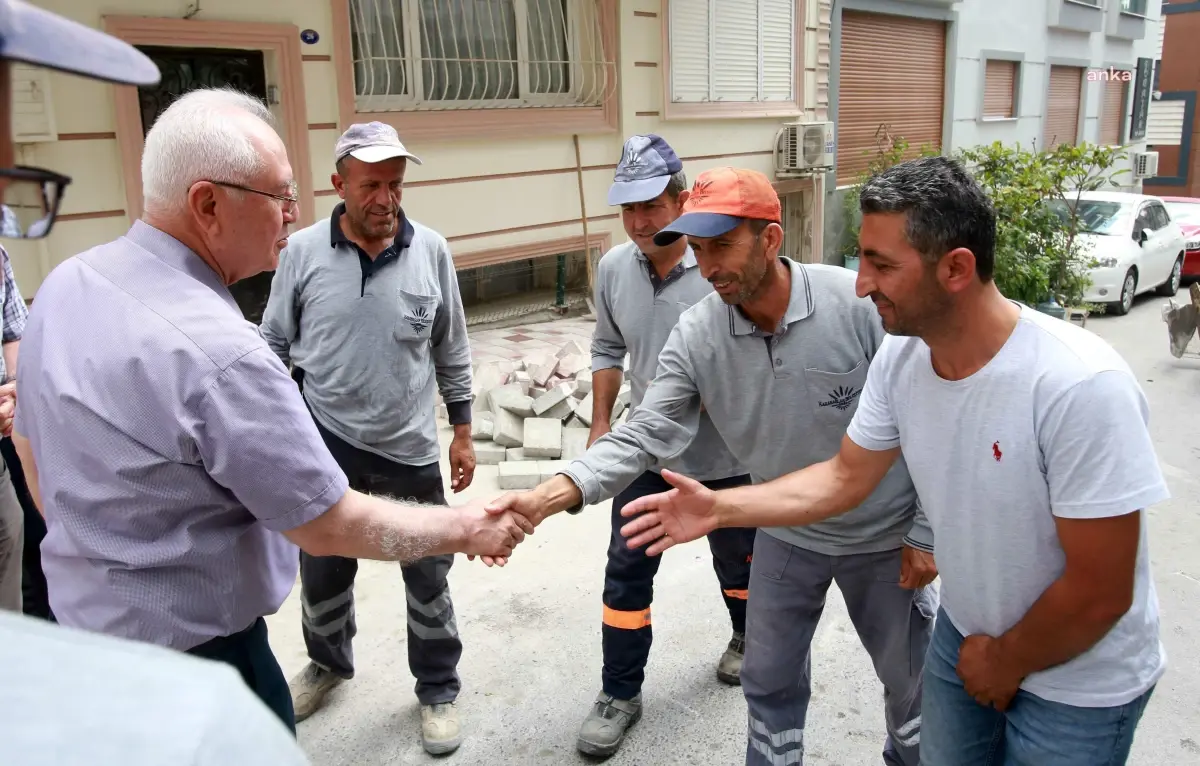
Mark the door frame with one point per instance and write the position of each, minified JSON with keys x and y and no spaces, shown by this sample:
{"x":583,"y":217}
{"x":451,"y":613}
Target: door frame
{"x":280,"y":44}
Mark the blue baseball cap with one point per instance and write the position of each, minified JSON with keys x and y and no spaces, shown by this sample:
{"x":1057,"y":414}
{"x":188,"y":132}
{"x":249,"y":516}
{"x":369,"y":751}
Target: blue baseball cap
{"x":36,"y":36}
{"x":646,"y":166}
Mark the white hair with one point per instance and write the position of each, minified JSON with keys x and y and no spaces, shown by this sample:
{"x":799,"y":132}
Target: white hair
{"x":200,"y":137}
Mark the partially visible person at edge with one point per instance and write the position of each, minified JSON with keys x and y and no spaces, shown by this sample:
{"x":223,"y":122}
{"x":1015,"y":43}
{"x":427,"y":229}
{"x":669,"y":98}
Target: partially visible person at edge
{"x":365,"y":307}
{"x":1028,"y":440}
{"x":172,"y":454}
{"x":641,"y":289}
{"x":776,"y":357}
{"x":13,"y":318}
{"x":77,"y":696}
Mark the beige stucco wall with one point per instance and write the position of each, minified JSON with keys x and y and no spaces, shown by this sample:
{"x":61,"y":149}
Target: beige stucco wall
{"x":461,"y":210}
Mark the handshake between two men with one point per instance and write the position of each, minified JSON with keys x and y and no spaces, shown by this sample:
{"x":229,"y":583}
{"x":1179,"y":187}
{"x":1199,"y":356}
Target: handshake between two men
{"x":660,"y":521}
{"x":680,"y":515}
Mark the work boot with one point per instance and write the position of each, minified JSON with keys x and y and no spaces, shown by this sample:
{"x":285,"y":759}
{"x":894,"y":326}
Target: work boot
{"x":309,"y":688}
{"x":606,"y":724}
{"x":440,"y":732}
{"x":729,"y":668}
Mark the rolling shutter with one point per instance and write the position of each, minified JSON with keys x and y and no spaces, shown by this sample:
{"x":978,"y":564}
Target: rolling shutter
{"x":1000,"y":89}
{"x":690,"y":44}
{"x":1113,"y":112}
{"x":891,"y":76}
{"x":1062,"y":106}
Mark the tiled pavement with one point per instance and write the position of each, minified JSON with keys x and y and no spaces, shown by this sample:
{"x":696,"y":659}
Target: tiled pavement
{"x":516,"y":342}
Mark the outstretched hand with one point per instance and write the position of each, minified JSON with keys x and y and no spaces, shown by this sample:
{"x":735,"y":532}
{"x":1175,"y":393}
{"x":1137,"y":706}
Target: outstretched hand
{"x":679,"y":515}
{"x":492,"y":536}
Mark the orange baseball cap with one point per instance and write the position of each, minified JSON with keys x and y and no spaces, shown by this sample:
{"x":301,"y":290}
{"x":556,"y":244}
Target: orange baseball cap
{"x":721,"y":199}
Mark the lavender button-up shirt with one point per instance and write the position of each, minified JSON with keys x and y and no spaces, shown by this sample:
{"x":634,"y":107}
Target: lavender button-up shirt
{"x":172,"y":447}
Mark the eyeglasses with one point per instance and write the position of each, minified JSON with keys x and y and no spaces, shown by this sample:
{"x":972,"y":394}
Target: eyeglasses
{"x":291,"y":198}
{"x":30,"y":202}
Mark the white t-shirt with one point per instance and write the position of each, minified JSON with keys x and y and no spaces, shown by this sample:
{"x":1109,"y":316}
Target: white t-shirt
{"x":70,"y":697}
{"x":1054,"y":425}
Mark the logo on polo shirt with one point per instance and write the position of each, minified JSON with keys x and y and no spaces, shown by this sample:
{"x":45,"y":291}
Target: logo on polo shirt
{"x":841,"y":398}
{"x":419,"y":319}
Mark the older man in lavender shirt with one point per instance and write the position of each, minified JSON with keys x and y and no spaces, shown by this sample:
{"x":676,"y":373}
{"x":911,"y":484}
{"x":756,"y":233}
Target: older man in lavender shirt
{"x":171,"y":452}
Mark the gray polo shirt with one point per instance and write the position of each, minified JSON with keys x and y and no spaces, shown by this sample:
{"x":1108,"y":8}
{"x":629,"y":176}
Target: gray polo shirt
{"x":172,"y":447}
{"x":376,"y":338}
{"x":781,"y":402}
{"x":635,"y":313}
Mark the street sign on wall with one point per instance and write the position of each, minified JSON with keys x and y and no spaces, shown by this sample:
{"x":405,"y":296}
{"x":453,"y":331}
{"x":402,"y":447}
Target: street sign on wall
{"x":1143,"y":89}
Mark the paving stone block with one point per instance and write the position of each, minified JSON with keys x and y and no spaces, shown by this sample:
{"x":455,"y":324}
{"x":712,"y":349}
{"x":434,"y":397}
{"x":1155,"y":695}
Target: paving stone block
{"x":522,"y":379}
{"x":511,"y":398}
{"x":569,"y":348}
{"x":583,"y":410}
{"x":481,"y":428}
{"x":488,"y":376}
{"x":508,"y":430}
{"x":572,"y":364}
{"x":548,"y":468}
{"x":574,"y":442}
{"x":525,"y":474}
{"x":543,"y":438}
{"x":489,"y":453}
{"x":574,"y":422}
{"x":542,"y":372}
{"x":562,"y":411}
{"x":625,"y":394}
{"x":554,"y":396}
{"x":618,"y":410}
{"x":514,"y":453}
{"x":583,"y":383}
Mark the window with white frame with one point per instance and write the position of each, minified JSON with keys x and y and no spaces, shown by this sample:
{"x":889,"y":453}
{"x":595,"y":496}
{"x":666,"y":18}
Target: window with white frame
{"x":454,"y":54}
{"x":733,"y":51}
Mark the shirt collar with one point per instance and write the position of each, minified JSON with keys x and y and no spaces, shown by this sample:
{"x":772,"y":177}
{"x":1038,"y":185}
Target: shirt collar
{"x":689,"y":257}
{"x":799,"y":304}
{"x":180,"y":257}
{"x":404,"y":232}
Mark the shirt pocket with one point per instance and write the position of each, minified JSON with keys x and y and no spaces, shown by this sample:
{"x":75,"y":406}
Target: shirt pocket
{"x":834,"y":395}
{"x":416,"y":314}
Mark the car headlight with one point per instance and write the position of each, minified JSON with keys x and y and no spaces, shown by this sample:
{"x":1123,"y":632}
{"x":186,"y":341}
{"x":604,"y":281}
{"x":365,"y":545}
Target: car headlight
{"x":1106,"y":263}
{"x":1193,"y":244}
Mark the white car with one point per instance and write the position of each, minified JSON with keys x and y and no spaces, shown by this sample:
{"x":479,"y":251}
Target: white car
{"x":1137,"y":246}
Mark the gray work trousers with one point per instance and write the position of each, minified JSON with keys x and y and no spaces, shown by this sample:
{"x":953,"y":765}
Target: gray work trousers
{"x":787,"y":595}
{"x":12,"y":542}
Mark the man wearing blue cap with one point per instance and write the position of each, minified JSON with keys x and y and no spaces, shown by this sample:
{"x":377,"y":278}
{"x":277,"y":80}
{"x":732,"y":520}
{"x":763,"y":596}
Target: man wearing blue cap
{"x":641,"y":289}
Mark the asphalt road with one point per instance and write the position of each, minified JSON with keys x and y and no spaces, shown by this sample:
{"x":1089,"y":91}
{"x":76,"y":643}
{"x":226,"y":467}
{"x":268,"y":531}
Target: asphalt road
{"x":531,"y":665}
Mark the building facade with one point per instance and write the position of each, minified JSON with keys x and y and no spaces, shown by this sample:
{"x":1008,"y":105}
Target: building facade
{"x":956,"y":74}
{"x":519,"y":108}
{"x":1173,"y":130}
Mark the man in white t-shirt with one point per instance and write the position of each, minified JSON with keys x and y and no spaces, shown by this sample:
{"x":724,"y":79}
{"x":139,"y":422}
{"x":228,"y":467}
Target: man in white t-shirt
{"x":1027,"y":440}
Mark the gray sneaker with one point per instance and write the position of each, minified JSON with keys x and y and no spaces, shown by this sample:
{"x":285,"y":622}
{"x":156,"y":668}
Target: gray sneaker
{"x":309,"y":688}
{"x":729,"y":668}
{"x":606,"y":724}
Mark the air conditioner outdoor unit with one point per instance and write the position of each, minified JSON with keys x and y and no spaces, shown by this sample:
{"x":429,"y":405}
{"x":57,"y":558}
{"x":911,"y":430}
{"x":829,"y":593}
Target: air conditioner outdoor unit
{"x":802,"y":147}
{"x":1145,"y":164}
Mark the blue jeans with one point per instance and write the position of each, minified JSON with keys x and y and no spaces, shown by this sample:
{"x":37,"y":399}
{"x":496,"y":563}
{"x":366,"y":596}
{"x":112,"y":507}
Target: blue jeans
{"x":958,"y":731}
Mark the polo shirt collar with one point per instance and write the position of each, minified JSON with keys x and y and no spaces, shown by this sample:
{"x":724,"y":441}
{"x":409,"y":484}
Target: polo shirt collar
{"x":800,"y":304}
{"x":180,"y":257}
{"x":404,"y":232}
{"x":689,"y":257}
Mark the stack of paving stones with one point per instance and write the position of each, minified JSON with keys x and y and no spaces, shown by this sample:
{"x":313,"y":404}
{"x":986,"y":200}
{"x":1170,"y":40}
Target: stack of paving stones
{"x":533,"y":415}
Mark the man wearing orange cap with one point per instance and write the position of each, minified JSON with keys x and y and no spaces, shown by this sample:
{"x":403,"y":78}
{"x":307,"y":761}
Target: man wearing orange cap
{"x":778,"y":356}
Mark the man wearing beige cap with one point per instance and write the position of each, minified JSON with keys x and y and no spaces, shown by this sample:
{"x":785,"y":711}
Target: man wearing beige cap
{"x":366,"y":309}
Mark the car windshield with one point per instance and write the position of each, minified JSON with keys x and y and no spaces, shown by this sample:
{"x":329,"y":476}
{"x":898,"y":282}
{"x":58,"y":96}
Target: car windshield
{"x":1097,"y":216}
{"x":1184,"y":212}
